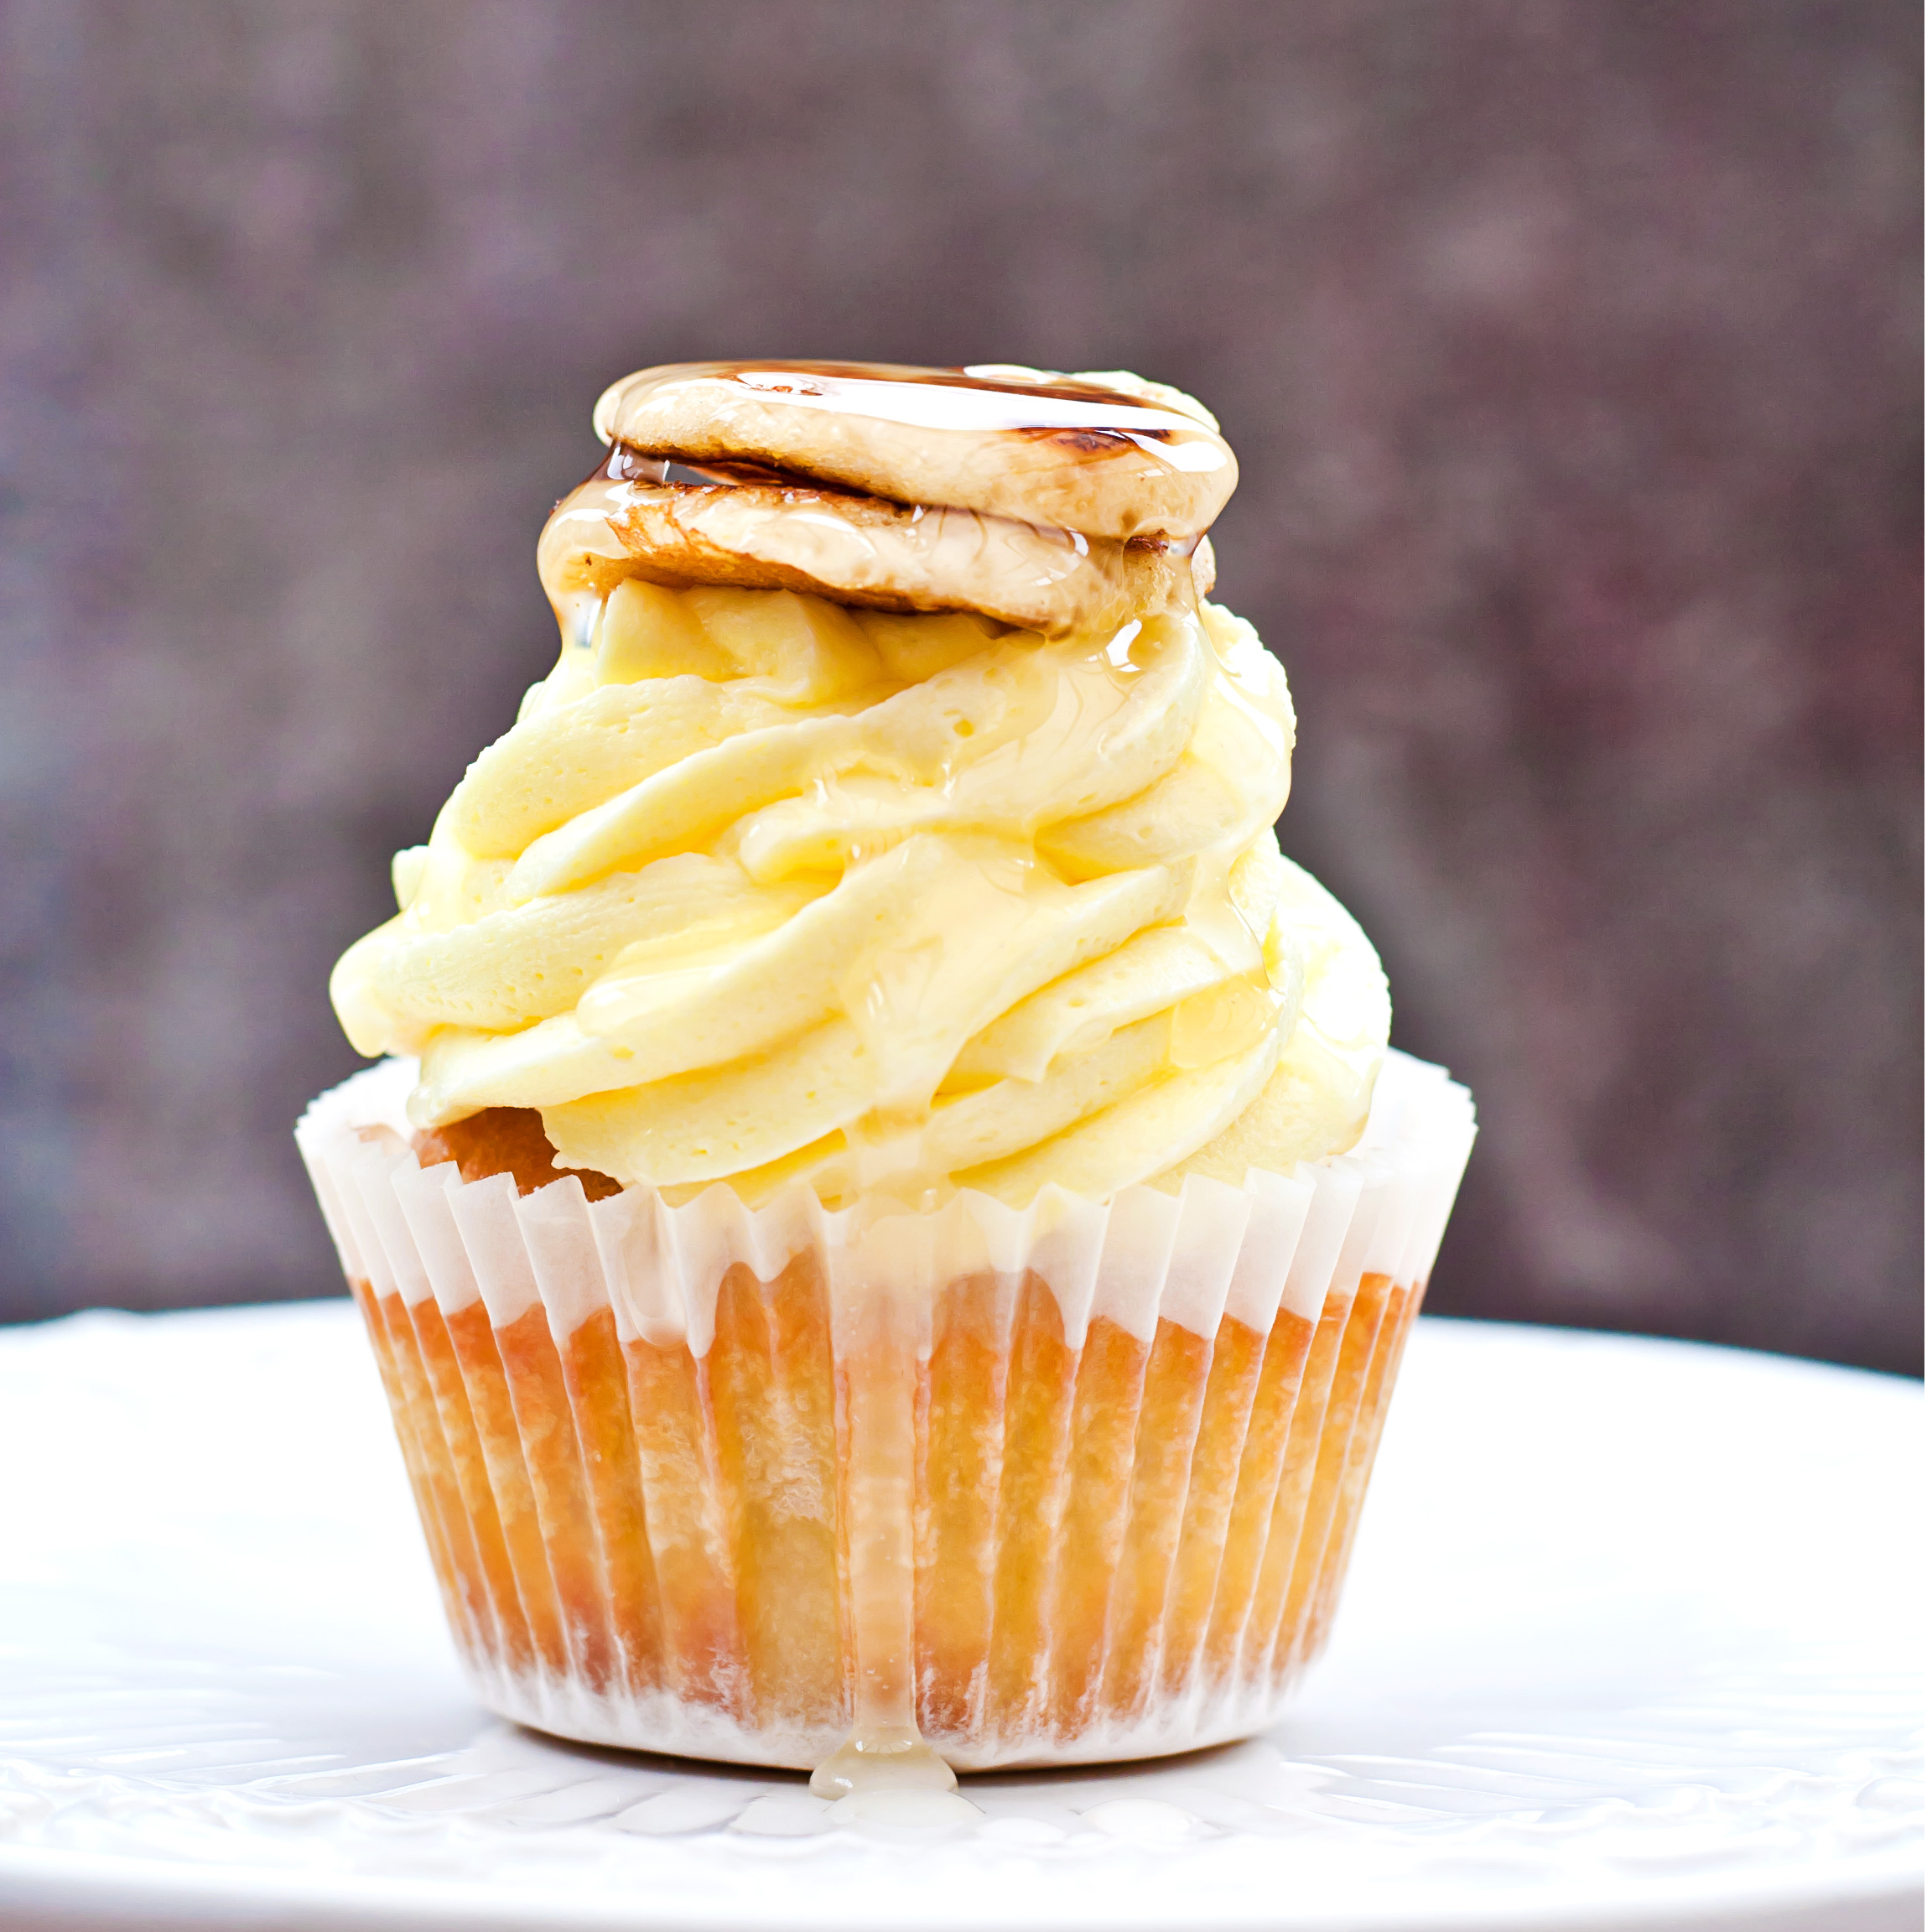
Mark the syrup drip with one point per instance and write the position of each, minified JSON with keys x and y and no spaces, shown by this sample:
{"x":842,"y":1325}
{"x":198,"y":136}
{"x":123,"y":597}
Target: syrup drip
{"x":885,"y":1751}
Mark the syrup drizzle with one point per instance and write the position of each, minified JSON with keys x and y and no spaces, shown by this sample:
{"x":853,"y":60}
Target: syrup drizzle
{"x":626,"y":465}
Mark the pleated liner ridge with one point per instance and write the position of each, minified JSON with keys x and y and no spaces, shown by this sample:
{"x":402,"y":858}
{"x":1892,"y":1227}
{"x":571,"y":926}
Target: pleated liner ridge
{"x":1093,"y":1469}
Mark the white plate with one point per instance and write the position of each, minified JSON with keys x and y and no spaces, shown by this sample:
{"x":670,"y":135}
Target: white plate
{"x":1631,"y":1641}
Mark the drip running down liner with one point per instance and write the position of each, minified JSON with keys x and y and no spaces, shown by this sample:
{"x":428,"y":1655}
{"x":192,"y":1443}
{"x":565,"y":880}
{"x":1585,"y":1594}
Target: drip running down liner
{"x":1070,"y":1483}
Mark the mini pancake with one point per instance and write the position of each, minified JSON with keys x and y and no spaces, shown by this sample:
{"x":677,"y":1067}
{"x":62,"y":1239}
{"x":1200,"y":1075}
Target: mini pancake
{"x":1079,"y":453}
{"x":855,"y":549}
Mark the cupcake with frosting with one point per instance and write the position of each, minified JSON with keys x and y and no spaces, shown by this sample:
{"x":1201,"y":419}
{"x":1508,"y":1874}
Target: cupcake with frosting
{"x":887,"y":1216}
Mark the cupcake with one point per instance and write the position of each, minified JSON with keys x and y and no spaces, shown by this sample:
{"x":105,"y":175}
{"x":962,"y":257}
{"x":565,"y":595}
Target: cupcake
{"x":886,"y":1216}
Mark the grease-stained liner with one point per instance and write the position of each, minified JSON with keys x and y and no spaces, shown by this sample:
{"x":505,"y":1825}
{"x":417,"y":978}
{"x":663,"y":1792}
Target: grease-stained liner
{"x":1070,"y":1483}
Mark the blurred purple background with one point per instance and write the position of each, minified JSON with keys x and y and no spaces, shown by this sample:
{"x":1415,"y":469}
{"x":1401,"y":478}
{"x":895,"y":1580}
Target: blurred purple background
{"x":1571,"y":352}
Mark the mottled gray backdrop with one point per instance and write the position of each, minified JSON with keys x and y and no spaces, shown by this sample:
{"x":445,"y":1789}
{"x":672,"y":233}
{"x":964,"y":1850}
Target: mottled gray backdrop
{"x":1569,"y":351}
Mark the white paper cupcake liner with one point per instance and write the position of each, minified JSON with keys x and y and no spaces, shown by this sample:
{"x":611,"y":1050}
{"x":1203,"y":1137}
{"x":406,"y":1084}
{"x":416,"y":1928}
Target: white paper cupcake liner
{"x":1067,"y":1484}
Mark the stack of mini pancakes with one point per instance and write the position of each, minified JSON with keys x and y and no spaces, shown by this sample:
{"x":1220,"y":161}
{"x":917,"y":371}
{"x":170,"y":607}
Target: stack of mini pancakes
{"x":1060,"y":504}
